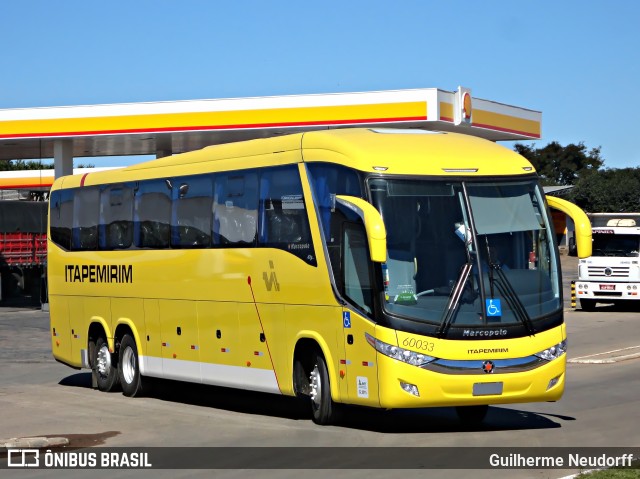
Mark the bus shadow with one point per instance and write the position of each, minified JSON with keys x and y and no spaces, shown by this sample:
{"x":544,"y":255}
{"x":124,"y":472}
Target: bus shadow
{"x":78,"y":380}
{"x":228,"y":399}
{"x":426,"y":420}
{"x":443,"y":420}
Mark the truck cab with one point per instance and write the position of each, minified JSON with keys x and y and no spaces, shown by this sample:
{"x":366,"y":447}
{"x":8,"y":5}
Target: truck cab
{"x":612,"y":273}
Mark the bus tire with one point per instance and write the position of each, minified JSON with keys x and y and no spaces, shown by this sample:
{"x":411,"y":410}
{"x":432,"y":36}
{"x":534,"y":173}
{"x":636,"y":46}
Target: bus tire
{"x":588,"y":304}
{"x":129,"y":370}
{"x":322,"y":407}
{"x":472,"y":415}
{"x":105,"y":366}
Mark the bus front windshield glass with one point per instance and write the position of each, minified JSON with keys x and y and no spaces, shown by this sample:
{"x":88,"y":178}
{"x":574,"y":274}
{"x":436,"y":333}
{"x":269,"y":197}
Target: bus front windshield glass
{"x":467,"y":254}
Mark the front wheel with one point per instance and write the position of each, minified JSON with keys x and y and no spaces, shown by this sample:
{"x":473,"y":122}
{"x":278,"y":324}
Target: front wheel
{"x":322,"y":407}
{"x":129,"y":369}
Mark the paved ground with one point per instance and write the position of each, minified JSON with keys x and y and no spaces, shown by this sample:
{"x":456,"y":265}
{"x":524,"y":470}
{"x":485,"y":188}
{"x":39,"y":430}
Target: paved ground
{"x":39,"y":397}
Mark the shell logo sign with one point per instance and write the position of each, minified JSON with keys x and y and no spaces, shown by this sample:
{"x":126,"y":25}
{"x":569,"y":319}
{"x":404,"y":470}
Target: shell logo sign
{"x":462,"y":106}
{"x":466,"y":106}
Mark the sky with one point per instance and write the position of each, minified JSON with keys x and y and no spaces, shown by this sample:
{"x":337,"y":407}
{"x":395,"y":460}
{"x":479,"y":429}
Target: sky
{"x":576,"y":61}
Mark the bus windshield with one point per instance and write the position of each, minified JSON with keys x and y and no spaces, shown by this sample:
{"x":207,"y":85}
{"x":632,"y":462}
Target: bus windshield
{"x":615,"y":245}
{"x":467,"y":253}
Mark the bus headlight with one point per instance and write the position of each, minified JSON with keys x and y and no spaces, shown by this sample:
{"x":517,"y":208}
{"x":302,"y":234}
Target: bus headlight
{"x":395,"y":352}
{"x":553,"y":352}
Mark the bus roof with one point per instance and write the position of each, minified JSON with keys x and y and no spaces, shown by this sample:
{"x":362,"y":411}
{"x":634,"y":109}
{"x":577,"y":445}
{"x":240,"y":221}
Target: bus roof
{"x":416,"y":152}
{"x":391,"y":151}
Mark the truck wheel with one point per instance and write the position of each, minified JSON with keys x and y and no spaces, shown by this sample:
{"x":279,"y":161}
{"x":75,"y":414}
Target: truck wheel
{"x":105,"y":366}
{"x":588,"y":304}
{"x":129,"y":369}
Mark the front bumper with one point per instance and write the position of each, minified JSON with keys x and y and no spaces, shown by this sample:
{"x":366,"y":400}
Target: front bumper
{"x":544,"y":383}
{"x":603,"y":291}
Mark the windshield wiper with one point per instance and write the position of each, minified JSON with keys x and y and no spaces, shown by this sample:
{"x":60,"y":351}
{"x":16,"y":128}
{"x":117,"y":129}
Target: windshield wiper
{"x":454,"y":299}
{"x":506,"y":289}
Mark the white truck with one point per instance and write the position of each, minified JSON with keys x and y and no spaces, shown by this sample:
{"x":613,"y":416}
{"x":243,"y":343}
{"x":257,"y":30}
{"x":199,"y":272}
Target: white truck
{"x":612,"y":273}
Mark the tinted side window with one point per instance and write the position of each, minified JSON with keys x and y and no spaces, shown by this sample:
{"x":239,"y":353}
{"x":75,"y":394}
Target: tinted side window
{"x":329,"y":180}
{"x":61,"y":204}
{"x":235,"y":209}
{"x":192,"y":212}
{"x":116,"y":217}
{"x":85,"y":218}
{"x":283,"y":218}
{"x":152,"y":214}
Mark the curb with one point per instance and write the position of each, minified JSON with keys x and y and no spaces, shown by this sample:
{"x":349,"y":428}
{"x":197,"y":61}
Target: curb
{"x":33,"y":442}
{"x":591,"y":359}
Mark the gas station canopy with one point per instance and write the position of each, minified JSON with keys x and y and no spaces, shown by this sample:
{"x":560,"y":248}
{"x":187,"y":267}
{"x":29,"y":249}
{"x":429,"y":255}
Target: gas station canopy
{"x":165,"y":128}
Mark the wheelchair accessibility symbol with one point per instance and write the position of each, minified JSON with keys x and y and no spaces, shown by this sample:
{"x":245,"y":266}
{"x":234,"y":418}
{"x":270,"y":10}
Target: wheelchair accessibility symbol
{"x":346,"y":319}
{"x":493,"y":307}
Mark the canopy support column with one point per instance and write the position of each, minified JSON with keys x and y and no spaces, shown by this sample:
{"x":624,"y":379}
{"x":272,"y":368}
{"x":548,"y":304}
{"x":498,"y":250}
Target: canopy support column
{"x":63,"y":158}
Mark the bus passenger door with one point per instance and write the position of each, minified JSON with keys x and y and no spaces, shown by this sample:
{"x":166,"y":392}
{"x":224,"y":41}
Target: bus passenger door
{"x":357,"y":280}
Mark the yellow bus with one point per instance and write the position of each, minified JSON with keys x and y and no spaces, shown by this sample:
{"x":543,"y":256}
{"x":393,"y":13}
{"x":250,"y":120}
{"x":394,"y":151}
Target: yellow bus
{"x":376,"y":267}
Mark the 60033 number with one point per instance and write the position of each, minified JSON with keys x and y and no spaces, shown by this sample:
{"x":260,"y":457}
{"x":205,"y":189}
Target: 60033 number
{"x":418,"y":344}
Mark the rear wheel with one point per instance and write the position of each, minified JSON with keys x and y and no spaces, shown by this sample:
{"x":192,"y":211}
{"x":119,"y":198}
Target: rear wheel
{"x":322,"y":407}
{"x":129,"y":369}
{"x":472,"y":415}
{"x":105,"y":366}
{"x":588,"y":304}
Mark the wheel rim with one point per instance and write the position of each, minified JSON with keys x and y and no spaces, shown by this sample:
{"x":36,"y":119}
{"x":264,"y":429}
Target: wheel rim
{"x":316,"y":387}
{"x":104,"y":361}
{"x":128,"y":365}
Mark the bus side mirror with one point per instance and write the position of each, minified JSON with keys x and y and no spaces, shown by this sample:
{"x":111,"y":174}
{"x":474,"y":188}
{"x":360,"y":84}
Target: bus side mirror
{"x":374,"y":226}
{"x":580,"y":221}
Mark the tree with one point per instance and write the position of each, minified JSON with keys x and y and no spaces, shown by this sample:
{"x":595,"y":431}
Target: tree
{"x":6,"y":165}
{"x":561,"y":165}
{"x":18,"y":165}
{"x":608,"y":191}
